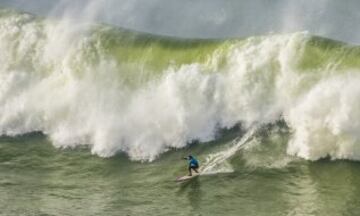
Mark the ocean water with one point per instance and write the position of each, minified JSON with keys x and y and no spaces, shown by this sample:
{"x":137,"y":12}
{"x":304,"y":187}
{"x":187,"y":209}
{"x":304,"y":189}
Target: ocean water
{"x":94,"y":120}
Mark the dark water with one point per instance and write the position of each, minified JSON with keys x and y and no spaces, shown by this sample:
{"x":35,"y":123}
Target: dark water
{"x":37,"y":179}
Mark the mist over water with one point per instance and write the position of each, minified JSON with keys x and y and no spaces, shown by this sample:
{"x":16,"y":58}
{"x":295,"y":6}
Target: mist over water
{"x":210,"y":19}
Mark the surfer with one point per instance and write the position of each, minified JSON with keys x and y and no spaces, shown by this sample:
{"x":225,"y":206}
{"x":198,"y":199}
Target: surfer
{"x":193,"y":164}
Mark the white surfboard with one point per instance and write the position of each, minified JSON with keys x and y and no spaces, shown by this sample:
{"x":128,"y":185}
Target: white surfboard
{"x":187,"y":177}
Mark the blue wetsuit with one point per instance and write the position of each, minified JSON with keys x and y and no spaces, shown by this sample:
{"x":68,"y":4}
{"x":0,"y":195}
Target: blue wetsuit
{"x":193,"y":163}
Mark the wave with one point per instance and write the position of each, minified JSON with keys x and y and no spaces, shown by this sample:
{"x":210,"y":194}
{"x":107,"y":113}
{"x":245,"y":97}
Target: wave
{"x":117,"y":90}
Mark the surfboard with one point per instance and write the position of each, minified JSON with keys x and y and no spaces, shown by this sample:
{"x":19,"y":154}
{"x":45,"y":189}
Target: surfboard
{"x":186,"y":177}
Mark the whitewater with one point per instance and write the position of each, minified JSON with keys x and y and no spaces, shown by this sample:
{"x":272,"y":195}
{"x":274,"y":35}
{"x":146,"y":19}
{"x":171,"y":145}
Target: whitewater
{"x":120,"y":91}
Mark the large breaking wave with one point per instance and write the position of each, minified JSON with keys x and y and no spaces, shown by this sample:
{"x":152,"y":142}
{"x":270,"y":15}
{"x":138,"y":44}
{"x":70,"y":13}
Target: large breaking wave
{"x":121,"y":91}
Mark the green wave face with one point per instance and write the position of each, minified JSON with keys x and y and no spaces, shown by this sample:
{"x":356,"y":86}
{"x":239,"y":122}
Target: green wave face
{"x":117,"y":90}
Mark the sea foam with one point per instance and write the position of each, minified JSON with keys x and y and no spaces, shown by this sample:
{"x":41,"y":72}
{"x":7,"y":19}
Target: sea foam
{"x":67,"y":82}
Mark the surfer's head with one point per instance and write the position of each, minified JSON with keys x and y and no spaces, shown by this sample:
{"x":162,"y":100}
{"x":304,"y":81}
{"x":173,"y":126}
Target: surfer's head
{"x":190,"y":157}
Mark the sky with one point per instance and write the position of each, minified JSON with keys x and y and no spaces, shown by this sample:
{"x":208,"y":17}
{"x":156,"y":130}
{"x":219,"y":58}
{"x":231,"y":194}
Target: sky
{"x":210,"y":18}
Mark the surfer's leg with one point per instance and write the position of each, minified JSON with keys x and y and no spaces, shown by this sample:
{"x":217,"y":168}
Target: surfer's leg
{"x":193,"y":168}
{"x":196,"y":169}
